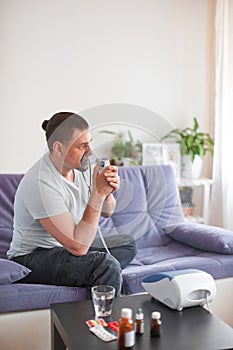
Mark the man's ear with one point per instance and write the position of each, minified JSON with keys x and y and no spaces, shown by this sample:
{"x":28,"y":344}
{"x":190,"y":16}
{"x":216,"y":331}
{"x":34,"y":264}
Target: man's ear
{"x":57,"y":148}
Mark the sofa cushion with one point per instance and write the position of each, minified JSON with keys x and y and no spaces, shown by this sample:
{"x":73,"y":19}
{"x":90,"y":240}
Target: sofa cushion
{"x":147,"y":201}
{"x":209,"y":238}
{"x":23,"y":296}
{"x":12,"y":271}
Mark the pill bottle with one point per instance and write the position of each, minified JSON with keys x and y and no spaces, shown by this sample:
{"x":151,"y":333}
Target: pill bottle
{"x":139,"y":322}
{"x":126,"y":337}
{"x":155,"y":324}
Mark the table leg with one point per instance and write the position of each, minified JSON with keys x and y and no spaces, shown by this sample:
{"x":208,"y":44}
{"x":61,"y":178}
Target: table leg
{"x":56,"y":341}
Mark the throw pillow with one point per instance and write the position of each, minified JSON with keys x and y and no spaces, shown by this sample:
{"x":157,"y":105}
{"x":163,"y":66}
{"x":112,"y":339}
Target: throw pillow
{"x":11,"y":271}
{"x":205,"y":237}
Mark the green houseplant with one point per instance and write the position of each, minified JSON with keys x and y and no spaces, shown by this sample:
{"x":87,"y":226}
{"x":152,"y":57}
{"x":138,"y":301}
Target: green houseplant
{"x":123,"y":149}
{"x":192,"y":142}
{"x":193,"y":145}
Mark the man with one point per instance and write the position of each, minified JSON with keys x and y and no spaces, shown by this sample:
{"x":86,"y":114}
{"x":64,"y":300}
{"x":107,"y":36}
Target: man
{"x":57,"y":212}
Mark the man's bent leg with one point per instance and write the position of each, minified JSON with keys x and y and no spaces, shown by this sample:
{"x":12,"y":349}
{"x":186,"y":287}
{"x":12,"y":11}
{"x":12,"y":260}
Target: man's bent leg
{"x":57,"y":266}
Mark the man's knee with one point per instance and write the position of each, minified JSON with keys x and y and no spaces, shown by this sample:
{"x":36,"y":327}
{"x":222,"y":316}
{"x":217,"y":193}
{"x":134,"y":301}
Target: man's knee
{"x":113,"y":264}
{"x":108,"y":271}
{"x":115,"y":272}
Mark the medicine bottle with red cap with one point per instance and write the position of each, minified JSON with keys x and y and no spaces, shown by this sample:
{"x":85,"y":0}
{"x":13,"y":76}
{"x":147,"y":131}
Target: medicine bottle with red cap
{"x":126,"y":338}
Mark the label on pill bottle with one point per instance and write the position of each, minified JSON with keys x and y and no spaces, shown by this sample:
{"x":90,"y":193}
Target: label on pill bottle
{"x":129,"y":339}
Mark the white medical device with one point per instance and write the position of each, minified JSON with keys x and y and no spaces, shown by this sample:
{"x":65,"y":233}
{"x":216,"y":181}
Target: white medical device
{"x":181,"y":288}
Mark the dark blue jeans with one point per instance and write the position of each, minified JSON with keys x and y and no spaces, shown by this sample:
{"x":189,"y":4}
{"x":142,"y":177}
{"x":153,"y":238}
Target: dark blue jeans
{"x":59,"y":267}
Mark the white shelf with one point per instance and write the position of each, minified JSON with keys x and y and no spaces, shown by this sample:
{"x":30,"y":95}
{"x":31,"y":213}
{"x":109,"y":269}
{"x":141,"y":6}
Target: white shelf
{"x":183,"y":182}
{"x":206,"y":184}
{"x":195,"y":218}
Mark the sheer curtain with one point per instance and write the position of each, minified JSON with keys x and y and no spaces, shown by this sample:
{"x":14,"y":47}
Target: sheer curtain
{"x":221,"y":210}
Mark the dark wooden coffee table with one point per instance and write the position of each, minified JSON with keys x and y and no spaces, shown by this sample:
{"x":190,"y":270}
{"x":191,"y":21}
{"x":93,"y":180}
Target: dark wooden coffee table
{"x":193,"y":328}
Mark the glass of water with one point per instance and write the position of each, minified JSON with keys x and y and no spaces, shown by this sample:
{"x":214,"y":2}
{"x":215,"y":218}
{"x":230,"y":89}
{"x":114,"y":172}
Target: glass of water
{"x":102,"y":297}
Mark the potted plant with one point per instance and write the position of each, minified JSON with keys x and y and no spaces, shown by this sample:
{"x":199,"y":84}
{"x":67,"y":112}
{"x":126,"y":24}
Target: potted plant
{"x":125,"y":152}
{"x":193,"y":145}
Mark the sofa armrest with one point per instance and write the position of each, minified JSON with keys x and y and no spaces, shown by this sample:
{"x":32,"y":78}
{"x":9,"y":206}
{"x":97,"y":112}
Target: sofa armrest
{"x":205,"y":237}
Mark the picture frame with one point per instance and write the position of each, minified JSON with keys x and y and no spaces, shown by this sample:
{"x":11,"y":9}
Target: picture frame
{"x":152,"y":154}
{"x":162,"y":153}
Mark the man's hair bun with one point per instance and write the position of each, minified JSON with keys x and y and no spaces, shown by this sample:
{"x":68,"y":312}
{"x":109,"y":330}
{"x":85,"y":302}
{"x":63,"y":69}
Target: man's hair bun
{"x":60,"y":127}
{"x":44,"y":124}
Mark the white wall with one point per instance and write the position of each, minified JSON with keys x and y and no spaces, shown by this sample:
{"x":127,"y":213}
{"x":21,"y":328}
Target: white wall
{"x":76,"y":54}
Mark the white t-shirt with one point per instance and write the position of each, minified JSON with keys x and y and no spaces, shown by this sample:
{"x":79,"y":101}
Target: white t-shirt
{"x":44,"y":192}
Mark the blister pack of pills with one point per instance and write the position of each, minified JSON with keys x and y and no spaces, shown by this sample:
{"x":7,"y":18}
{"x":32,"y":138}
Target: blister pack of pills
{"x":102,"y":333}
{"x":93,"y":323}
{"x":114,"y":326}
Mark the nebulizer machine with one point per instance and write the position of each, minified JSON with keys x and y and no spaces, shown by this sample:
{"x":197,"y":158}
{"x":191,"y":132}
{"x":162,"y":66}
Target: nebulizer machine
{"x":181,"y":288}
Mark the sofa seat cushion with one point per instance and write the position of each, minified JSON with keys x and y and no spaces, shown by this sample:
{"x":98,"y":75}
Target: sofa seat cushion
{"x":154,"y":255}
{"x":11,"y":271}
{"x":175,"y":256}
{"x":21,"y":297}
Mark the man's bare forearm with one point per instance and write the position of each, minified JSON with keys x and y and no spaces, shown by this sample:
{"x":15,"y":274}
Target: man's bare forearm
{"x":85,"y":230}
{"x":108,"y":206}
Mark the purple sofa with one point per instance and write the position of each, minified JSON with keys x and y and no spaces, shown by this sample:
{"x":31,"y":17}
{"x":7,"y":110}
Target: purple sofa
{"x":149,"y":209}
